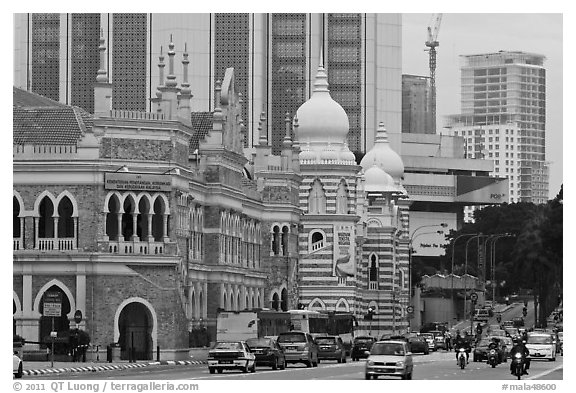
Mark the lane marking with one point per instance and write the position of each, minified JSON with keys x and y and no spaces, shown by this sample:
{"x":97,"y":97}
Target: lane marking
{"x":547,"y":372}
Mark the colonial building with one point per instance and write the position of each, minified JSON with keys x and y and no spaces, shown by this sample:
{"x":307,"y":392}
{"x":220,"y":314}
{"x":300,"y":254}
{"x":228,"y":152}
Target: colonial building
{"x":149,"y":223}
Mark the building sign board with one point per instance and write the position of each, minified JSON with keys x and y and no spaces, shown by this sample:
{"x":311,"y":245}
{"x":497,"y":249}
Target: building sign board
{"x":52,"y":304}
{"x":137,"y":182}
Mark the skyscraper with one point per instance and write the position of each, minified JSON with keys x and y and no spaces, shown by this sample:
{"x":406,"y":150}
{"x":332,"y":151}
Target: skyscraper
{"x":274,"y":57}
{"x":504,"y":118}
{"x":416,"y":105}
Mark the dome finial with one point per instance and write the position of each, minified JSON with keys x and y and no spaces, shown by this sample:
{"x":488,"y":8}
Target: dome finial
{"x":321,"y":82}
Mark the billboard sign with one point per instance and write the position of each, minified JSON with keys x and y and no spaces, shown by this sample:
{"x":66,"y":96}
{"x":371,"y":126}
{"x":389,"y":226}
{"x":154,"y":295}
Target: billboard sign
{"x":52,"y":304}
{"x":137,"y":182}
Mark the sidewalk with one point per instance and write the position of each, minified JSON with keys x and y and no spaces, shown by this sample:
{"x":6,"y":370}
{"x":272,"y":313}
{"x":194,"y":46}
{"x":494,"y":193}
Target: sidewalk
{"x":44,"y":367}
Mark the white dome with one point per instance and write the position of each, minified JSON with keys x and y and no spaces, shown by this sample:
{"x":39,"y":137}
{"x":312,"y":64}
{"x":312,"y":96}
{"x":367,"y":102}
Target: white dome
{"x":347,"y":155}
{"x":383,"y":156}
{"x":321,"y":119}
{"x":378,"y":181}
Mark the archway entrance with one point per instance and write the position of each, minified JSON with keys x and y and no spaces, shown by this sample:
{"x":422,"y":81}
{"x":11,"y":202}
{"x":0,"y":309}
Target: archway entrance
{"x":61,"y":324}
{"x":135,"y":327}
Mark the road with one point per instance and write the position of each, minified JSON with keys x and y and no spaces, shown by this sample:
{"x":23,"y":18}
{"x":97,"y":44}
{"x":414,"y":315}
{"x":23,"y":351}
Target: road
{"x":436,"y":366}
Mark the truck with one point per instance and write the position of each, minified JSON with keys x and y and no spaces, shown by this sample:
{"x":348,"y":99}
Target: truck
{"x":242,"y":325}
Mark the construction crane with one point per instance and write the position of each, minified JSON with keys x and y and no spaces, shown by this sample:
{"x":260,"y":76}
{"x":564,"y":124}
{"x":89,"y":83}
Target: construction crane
{"x":432,"y":43}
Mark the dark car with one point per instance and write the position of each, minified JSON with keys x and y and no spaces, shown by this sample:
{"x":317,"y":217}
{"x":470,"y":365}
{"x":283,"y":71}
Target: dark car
{"x":418,"y":344}
{"x":331,"y":348}
{"x":360,"y":345}
{"x":267,"y":352}
{"x":518,"y":321}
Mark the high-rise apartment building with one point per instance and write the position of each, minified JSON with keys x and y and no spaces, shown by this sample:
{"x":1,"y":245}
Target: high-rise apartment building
{"x":416,"y":105}
{"x":504,"y":118}
{"x":275,"y":57}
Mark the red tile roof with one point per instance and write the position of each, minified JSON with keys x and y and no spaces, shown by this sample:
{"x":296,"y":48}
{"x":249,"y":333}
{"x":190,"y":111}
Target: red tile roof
{"x":38,"y":120}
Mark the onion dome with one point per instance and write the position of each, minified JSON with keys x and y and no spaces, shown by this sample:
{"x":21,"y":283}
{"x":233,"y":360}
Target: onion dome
{"x":378,"y":181}
{"x":321,"y":119}
{"x":383,"y":156}
{"x":348,"y":156}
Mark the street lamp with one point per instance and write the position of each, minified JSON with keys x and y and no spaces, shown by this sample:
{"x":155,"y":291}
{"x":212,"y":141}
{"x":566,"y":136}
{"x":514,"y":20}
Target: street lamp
{"x":412,"y":237}
{"x":452,"y":269}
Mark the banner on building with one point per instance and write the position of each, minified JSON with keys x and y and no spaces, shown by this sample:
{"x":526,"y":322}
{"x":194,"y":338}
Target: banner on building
{"x":137,"y":182}
{"x":481,"y":190}
{"x":344,"y":242}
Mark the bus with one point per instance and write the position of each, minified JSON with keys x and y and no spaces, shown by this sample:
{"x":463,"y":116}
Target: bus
{"x":323,"y":322}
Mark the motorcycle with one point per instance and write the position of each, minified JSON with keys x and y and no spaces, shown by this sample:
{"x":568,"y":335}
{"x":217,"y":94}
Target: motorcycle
{"x":462,"y":358}
{"x":493,"y":358}
{"x":518,"y":365}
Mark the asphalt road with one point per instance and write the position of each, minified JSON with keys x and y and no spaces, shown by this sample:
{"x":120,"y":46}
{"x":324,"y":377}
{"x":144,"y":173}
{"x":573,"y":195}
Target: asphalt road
{"x":436,"y":366}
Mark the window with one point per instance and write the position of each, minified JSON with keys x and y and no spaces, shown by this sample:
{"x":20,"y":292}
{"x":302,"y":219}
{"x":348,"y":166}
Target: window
{"x":285,"y":233}
{"x":275,"y":240}
{"x":316,"y":241}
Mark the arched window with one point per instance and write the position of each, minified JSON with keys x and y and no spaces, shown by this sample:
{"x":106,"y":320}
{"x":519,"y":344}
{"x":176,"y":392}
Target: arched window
{"x":65,"y":220}
{"x":285,"y":241}
{"x":127,"y":221}
{"x":276,"y":240}
{"x":284,"y":297}
{"x":317,"y":199}
{"x":112,"y":218}
{"x":342,"y":198}
{"x":275,"y":302}
{"x":46,"y":219}
{"x":158,"y":220}
{"x":317,"y":241}
{"x":16,"y":232}
{"x":373,"y":273}
{"x":142,"y":219}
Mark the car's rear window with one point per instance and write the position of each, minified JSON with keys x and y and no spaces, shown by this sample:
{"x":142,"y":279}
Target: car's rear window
{"x":539,"y":340}
{"x":363,"y":340}
{"x":325,"y":340}
{"x":228,"y":345}
{"x":258,"y":342}
{"x":292,"y":338}
{"x":387,"y":349}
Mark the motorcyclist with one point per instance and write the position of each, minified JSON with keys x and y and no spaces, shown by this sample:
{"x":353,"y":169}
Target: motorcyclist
{"x":460,"y":342}
{"x":519,"y":347}
{"x":495,"y":344}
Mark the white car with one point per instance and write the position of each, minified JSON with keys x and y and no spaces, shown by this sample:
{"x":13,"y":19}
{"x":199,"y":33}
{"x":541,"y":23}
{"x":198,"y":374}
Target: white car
{"x":231,"y":355}
{"x":541,"y":346}
{"x":17,"y":365}
{"x":392,"y":358}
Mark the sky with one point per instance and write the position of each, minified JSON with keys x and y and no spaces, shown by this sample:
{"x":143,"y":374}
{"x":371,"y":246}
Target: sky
{"x":475,"y":33}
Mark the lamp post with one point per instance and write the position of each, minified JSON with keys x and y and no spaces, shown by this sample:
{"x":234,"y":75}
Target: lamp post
{"x":477,"y":236}
{"x":412,"y":237}
{"x":452,"y":269}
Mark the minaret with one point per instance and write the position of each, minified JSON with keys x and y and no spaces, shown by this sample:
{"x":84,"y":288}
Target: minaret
{"x":184,"y":112}
{"x":157,"y":101}
{"x":170,"y":90}
{"x":102,"y":88}
{"x":263,"y":150}
{"x":296,"y":147}
{"x":287,"y":145}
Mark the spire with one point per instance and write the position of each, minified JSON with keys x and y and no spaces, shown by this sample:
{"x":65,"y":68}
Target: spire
{"x":185,"y":85}
{"x":171,"y":78}
{"x":101,"y":74}
{"x":295,"y":126}
{"x":321,"y":82}
{"x":161,"y":66}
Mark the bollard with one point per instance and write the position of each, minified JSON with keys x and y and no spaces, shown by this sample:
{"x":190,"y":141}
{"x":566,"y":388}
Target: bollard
{"x":158,"y":353}
{"x":109,"y":354}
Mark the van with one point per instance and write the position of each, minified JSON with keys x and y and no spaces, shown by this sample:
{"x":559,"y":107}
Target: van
{"x":299,"y":347}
